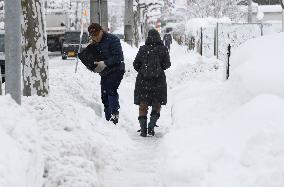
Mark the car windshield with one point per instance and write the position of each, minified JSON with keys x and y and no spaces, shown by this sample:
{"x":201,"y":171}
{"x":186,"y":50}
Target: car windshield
{"x":74,"y":37}
{"x":2,"y":43}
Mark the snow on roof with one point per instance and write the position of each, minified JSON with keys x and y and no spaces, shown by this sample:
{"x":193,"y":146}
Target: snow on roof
{"x":270,"y":8}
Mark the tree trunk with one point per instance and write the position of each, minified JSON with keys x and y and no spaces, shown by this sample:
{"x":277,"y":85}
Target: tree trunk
{"x":136,"y":31}
{"x":249,"y":11}
{"x":34,"y":51}
{"x":128,"y":22}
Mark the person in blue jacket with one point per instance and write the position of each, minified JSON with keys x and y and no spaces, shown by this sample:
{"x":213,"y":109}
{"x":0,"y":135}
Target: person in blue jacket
{"x":111,"y":68}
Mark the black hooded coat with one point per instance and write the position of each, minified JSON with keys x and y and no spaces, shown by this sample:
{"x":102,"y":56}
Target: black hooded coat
{"x":153,"y":90}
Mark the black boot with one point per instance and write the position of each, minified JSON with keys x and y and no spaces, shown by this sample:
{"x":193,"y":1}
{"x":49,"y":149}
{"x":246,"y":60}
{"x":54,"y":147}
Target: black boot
{"x":143,"y":125}
{"x":152,"y":124}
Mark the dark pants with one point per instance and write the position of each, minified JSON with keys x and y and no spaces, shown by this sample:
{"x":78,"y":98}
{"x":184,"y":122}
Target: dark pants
{"x":109,"y":95}
{"x":168,"y":45}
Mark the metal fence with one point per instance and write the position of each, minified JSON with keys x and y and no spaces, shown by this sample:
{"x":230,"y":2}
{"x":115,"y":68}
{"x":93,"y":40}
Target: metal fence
{"x":214,"y":40}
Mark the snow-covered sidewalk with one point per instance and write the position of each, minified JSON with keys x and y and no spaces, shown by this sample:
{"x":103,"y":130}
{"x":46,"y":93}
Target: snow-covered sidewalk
{"x":213,"y":133}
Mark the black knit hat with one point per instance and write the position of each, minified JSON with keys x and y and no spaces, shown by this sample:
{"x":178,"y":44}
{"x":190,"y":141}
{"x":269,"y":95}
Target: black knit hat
{"x":94,"y":28}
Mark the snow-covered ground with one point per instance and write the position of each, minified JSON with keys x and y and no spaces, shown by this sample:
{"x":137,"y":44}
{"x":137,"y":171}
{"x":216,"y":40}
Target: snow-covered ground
{"x":213,"y":133}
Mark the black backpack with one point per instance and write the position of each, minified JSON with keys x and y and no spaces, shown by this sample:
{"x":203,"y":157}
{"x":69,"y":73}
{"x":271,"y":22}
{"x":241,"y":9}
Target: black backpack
{"x":151,"y":63}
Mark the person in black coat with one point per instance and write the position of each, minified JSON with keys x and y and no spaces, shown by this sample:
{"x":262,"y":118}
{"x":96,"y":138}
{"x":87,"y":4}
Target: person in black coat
{"x":151,"y":86}
{"x":168,"y":40}
{"x":111,"y":68}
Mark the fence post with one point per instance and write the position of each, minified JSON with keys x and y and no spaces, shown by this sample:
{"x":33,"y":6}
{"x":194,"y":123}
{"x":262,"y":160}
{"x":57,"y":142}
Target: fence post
{"x":228,"y":62}
{"x":201,"y":42}
{"x":261,"y":29}
{"x":217,"y":41}
{"x":215,"y":30}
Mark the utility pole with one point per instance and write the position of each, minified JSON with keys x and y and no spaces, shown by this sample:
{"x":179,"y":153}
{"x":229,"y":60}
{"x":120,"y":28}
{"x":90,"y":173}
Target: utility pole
{"x":128,"y":22}
{"x":76,"y":15}
{"x":249,"y":11}
{"x":13,"y":13}
{"x":0,"y":82}
{"x":99,"y":13}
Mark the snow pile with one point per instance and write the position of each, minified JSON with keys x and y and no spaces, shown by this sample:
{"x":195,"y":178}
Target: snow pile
{"x":78,"y":143}
{"x":230,"y":134}
{"x":21,"y":157}
{"x":243,"y":149}
{"x":188,"y":66}
{"x":258,"y":65}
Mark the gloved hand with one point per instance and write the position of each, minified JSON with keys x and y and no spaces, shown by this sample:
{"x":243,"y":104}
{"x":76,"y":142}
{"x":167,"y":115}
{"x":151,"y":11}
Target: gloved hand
{"x":100,"y":66}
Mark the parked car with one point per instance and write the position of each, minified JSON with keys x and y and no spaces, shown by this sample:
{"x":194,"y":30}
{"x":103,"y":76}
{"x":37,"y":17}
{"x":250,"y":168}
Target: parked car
{"x":2,"y":55}
{"x":54,"y":41}
{"x":71,"y":43}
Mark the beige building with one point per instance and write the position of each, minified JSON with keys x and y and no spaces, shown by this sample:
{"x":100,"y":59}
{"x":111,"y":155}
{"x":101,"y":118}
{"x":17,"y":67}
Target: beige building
{"x":267,"y":13}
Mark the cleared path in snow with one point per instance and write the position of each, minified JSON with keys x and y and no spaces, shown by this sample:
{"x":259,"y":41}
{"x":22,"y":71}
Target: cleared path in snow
{"x":141,"y":165}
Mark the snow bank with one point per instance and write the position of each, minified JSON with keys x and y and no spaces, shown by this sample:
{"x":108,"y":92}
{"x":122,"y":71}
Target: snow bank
{"x":258,"y":65}
{"x":230,"y":134}
{"x":243,"y":149}
{"x":78,"y":143}
{"x":188,"y":65}
{"x":21,"y":157}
